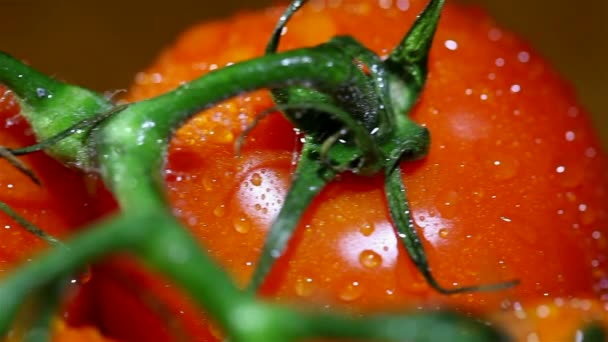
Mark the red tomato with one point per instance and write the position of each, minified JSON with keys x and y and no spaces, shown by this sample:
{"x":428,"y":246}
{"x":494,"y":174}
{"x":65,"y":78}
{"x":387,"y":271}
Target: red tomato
{"x":515,"y":185}
{"x":47,"y":205}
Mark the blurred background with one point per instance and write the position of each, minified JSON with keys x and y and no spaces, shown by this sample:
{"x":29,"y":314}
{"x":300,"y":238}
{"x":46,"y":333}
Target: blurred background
{"x":102,"y":44}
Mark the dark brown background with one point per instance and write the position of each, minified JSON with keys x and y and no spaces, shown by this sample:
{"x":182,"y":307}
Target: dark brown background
{"x":101,"y":44}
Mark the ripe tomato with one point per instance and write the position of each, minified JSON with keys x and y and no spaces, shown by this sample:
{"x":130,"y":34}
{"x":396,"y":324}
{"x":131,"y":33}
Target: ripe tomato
{"x":47,"y":206}
{"x":515,"y":185}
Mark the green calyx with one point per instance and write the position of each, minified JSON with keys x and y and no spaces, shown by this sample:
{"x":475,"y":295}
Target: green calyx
{"x":354,"y":119}
{"x":370,"y":134}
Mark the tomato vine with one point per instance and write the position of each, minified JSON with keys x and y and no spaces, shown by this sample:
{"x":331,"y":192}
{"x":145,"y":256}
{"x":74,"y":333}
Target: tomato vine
{"x":349,"y":104}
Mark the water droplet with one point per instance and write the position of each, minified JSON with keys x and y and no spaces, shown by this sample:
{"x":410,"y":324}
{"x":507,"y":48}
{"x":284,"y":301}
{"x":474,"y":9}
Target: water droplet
{"x":570,"y":136}
{"x":446,"y":202}
{"x":257,"y":207}
{"x":403,"y":5}
{"x":241,"y":225}
{"x":220,"y":210}
{"x":532,"y":337}
{"x":451,"y":44}
{"x":443,"y":233}
{"x":505,"y":168}
{"x":221,"y":135}
{"x":590,"y":152}
{"x":351,"y":291}
{"x":304,"y":286}
{"x":256,"y":179}
{"x":568,"y":175}
{"x":543,"y":311}
{"x":478,"y":195}
{"x":209,"y":183}
{"x":523,"y":57}
{"x":367,"y":229}
{"x":495,"y":34}
{"x":41,"y":92}
{"x":370,"y":259}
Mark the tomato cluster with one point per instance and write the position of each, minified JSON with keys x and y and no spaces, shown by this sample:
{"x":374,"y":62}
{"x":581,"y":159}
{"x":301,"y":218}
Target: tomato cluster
{"x":515,"y":186}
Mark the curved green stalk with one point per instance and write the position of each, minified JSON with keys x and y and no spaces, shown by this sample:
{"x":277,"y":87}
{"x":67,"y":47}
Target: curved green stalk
{"x":400,"y":212}
{"x":156,"y":237}
{"x":308,"y":181}
{"x":131,"y":143}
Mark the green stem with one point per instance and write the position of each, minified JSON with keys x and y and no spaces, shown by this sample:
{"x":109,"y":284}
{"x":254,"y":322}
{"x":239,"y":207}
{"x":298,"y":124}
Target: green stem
{"x":51,"y":107}
{"x":131,"y":143}
{"x":47,"y":299}
{"x":400,"y":212}
{"x":156,"y":237}
{"x":308,"y":181}
{"x":593,"y":332}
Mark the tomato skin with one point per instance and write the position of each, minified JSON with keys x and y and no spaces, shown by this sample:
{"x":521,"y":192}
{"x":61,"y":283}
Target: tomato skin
{"x":42,"y":205}
{"x":47,"y":206}
{"x":514,"y":187}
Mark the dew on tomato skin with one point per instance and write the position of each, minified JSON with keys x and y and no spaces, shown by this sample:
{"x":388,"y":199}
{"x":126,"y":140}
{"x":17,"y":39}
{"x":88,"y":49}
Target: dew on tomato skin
{"x":443,"y":233}
{"x":494,"y":34}
{"x":504,"y":168}
{"x":304,"y":286}
{"x":451,"y":44}
{"x":241,"y":225}
{"x":446,"y":202}
{"x":515,"y":88}
{"x":590,"y":152}
{"x":351,"y":291}
{"x":220,"y":210}
{"x":370,"y":259}
{"x":192,"y":221}
{"x":478,"y":195}
{"x":570,"y":136}
{"x":256,"y":179}
{"x":367,"y":228}
{"x":209,"y":183}
{"x":569,"y":175}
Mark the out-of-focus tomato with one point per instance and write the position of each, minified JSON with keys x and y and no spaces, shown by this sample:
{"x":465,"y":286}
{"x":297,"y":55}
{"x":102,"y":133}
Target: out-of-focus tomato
{"x":515,"y":185}
{"x":62,"y":202}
